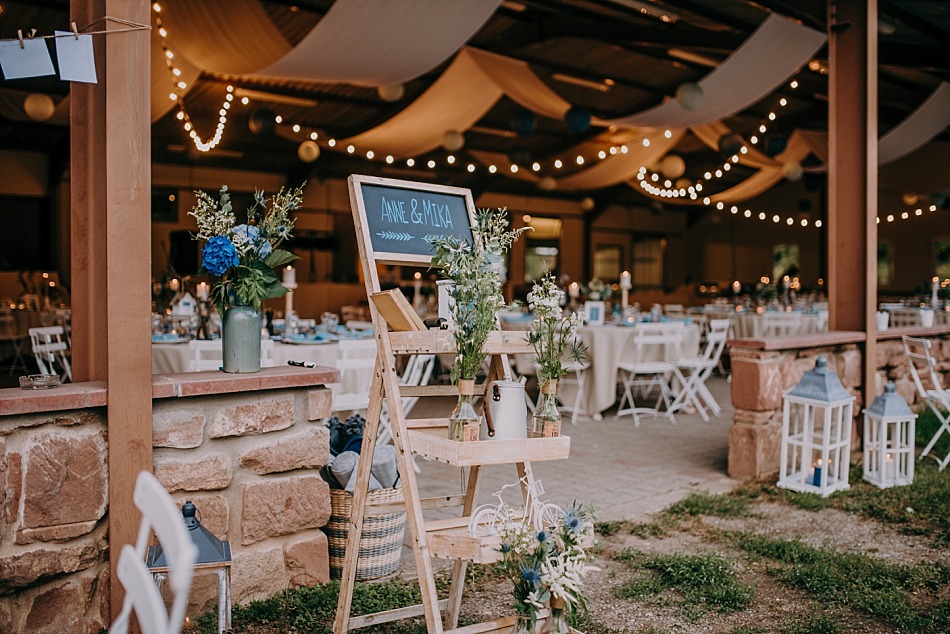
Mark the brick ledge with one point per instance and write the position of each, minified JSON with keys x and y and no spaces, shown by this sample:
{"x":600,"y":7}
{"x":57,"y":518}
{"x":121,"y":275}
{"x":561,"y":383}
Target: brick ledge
{"x":95,"y":393}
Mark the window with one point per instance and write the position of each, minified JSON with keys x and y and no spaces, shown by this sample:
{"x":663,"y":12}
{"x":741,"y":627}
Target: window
{"x":648,"y":262}
{"x":26,"y":242}
{"x":607,"y":259}
{"x":542,"y":247}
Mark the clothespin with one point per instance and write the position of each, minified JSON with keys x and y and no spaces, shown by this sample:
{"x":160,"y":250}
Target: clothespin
{"x":72,"y":25}
{"x":19,"y":35}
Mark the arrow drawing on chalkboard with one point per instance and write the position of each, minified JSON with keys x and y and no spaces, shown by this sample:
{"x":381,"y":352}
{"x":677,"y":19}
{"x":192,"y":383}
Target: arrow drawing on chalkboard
{"x":393,"y":235}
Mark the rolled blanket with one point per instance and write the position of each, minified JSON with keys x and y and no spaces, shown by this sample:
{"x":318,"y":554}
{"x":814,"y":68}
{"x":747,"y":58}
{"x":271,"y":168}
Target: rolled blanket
{"x":344,"y":466}
{"x":384,"y":466}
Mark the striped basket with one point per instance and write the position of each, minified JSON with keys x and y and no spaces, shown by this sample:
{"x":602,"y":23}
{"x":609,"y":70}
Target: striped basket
{"x":381,"y":543}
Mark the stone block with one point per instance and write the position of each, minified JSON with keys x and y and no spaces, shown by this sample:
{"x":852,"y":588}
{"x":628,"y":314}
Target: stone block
{"x":64,"y":477}
{"x":214,"y":512}
{"x":319,"y":403}
{"x":794,"y":369}
{"x":74,"y":604}
{"x":257,"y":574}
{"x":13,"y":485}
{"x":60,"y":532}
{"x":6,"y":614}
{"x":284,"y":506}
{"x":308,"y":560}
{"x":27,"y":567}
{"x":757,"y":383}
{"x":889,"y":353}
{"x":258,"y":417}
{"x":849,"y":367}
{"x":208,"y":473}
{"x":754,"y":450}
{"x":180,"y":429}
{"x":906,"y":388}
{"x":309,"y":449}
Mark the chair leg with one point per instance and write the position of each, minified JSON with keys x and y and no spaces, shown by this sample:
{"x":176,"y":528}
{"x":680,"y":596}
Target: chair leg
{"x":944,"y":427}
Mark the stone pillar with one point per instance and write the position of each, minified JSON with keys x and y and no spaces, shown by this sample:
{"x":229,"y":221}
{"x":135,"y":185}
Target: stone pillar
{"x":756,"y":434}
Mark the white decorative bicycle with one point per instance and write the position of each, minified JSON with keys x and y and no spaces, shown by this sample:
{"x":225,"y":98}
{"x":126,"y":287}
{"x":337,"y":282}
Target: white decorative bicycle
{"x":487,"y":518}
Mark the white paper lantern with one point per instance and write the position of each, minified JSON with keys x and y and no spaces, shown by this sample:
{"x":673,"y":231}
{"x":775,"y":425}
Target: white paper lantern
{"x":689,"y":95}
{"x":587,"y":203}
{"x":39,"y":107}
{"x":308,"y":151}
{"x":391,"y":92}
{"x":673,"y":166}
{"x":792,"y":170}
{"x":548,"y":183}
{"x":453,"y":140}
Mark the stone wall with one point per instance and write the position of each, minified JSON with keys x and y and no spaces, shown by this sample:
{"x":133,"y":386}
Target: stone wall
{"x":248,"y":460}
{"x":762,"y":372}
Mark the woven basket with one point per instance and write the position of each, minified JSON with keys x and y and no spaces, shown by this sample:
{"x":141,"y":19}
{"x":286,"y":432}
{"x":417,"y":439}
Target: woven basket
{"x":381,"y":543}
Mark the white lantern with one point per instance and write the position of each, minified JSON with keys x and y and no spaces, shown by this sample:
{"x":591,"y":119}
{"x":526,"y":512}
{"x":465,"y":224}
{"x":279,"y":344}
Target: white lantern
{"x":816,"y":433}
{"x":889,"y":440}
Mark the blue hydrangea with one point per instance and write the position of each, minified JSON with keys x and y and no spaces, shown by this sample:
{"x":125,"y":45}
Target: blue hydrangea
{"x":219,"y":255}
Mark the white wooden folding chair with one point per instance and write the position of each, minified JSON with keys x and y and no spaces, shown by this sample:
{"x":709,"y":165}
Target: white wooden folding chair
{"x":695,"y":371}
{"x":647,"y":365}
{"x":49,"y":349}
{"x":356,"y":364}
{"x":418,"y":371}
{"x":160,"y":514}
{"x":207,"y":355}
{"x":780,"y":324}
{"x":919,"y":358}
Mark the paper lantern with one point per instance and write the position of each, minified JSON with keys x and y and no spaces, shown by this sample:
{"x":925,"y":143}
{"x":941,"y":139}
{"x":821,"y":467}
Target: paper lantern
{"x":577,"y":119}
{"x":519,"y":155}
{"x":524,"y":123}
{"x":792,"y":170}
{"x":548,"y":183}
{"x":683,"y":183}
{"x":39,"y":107}
{"x":729,"y":144}
{"x":308,"y":151}
{"x":262,"y":122}
{"x":775,"y":144}
{"x":587,"y":203}
{"x":391,"y":92}
{"x":689,"y":95}
{"x":453,"y":140}
{"x":910,"y":199}
{"x":673,"y":166}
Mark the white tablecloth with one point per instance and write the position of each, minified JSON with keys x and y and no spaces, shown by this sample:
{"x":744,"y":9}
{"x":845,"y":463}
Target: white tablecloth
{"x":748,"y":325}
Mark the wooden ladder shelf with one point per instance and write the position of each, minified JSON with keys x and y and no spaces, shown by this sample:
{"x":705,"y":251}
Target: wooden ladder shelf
{"x":443,"y":538}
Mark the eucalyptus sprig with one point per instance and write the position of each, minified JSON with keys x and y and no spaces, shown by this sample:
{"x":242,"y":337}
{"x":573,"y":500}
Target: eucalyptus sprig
{"x":476,"y":293}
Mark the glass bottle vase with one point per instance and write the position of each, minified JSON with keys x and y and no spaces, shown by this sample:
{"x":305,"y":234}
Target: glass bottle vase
{"x":547,"y":418}
{"x":463,"y":421}
{"x":557,"y":622}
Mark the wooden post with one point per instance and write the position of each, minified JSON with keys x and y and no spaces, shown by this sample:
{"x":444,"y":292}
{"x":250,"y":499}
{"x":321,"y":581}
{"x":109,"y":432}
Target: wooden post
{"x":852,"y":173}
{"x":110,"y":173}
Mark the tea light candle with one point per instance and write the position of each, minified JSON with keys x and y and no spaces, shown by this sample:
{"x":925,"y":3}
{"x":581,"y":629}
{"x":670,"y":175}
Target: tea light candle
{"x":626,"y":282}
{"x":736,"y":287}
{"x":289,"y":276}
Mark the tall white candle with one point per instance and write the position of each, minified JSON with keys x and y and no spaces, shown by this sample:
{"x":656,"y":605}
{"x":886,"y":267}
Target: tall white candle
{"x":626,"y":282}
{"x":417,"y":288}
{"x":202,"y":291}
{"x":574,"y":290}
{"x":289,"y":276}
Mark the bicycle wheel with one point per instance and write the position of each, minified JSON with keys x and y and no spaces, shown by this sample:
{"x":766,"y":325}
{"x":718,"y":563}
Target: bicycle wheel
{"x":548,"y":516}
{"x":484,"y":521}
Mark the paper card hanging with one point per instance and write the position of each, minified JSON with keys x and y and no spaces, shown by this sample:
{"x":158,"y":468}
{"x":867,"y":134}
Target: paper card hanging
{"x":75,"y":57}
{"x":32,"y":60}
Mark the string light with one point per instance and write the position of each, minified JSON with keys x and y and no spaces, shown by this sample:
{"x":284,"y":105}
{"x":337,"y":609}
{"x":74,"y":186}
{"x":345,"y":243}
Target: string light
{"x":178,"y":91}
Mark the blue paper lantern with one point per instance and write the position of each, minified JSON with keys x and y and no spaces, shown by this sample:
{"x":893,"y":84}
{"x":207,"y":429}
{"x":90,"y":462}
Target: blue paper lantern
{"x":577,"y":119}
{"x":262,"y":122}
{"x":730,"y":144}
{"x":524,"y":123}
{"x":775,"y":144}
{"x":519,"y":155}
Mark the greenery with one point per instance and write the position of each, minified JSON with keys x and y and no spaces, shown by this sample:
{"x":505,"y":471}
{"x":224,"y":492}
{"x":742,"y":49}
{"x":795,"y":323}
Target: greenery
{"x":883,"y":590}
{"x":705,"y":580}
{"x":243,"y":256}
{"x":476,"y":293}
{"x":551,"y":335}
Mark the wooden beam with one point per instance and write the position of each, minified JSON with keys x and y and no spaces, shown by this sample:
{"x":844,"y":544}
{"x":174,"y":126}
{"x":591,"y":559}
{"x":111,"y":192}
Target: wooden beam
{"x":111,"y":223}
{"x":852,"y":173}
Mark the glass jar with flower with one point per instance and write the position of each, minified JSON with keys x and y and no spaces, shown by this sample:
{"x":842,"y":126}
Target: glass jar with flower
{"x":474,"y":299}
{"x":242,"y":258}
{"x":554,"y":339}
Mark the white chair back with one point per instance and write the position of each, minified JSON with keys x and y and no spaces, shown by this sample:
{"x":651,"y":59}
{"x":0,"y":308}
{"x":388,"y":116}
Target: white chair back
{"x":207,"y":354}
{"x":716,"y":340}
{"x":920,"y":359}
{"x":904,"y":317}
{"x":160,"y":514}
{"x":49,"y":349}
{"x":674,"y":310}
{"x":658,"y":342}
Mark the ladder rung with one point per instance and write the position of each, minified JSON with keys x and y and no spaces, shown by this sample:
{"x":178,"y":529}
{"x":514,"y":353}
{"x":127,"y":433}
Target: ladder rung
{"x":496,"y":625}
{"x":445,"y":501}
{"x":428,"y":390}
{"x":365,"y":620}
{"x":426,"y":423}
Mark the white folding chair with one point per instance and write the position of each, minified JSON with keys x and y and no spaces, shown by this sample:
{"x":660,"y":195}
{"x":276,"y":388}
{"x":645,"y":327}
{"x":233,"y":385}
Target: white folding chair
{"x":696,"y":370}
{"x":49,"y":349}
{"x":919,"y":358}
{"x":160,"y":514}
{"x":904,"y":317}
{"x":674,"y":310}
{"x":780,"y":324}
{"x":418,"y":371}
{"x":207,"y":355}
{"x":645,"y":366}
{"x":356,"y":364}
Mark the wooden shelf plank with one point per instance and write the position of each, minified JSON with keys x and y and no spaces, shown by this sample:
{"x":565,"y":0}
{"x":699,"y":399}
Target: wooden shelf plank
{"x":483,"y":452}
{"x":450,"y":539}
{"x":443,"y":342}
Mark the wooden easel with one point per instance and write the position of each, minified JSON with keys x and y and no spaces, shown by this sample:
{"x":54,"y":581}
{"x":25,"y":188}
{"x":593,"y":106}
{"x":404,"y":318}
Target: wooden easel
{"x":392,"y":218}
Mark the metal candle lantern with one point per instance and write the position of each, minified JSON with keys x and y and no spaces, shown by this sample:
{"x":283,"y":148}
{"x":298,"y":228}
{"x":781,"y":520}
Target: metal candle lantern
{"x":214,"y":556}
{"x":889,"y":440}
{"x":816,"y":433}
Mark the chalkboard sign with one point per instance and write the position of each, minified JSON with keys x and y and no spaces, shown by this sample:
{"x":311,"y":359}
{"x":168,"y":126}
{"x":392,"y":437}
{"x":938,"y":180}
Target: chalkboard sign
{"x":397,"y":216}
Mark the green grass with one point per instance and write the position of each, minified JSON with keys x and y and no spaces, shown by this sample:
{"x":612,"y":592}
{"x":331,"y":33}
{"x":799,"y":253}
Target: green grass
{"x":608,"y":528}
{"x":903,"y":595}
{"x":699,"y":504}
{"x":706,"y":581}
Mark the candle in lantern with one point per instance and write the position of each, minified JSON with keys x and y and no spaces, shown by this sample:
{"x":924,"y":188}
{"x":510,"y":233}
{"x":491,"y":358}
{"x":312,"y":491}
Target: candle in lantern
{"x":202,"y":291}
{"x":816,"y":478}
{"x":890,"y":470}
{"x":174,"y":285}
{"x":574,"y":290}
{"x":289,"y":276}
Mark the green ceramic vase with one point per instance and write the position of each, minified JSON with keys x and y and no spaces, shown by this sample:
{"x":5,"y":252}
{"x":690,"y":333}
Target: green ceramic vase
{"x":241,"y":340}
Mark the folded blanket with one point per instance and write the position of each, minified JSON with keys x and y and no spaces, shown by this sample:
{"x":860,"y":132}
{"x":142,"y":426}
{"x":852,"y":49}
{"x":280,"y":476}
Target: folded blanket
{"x":384,"y":466}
